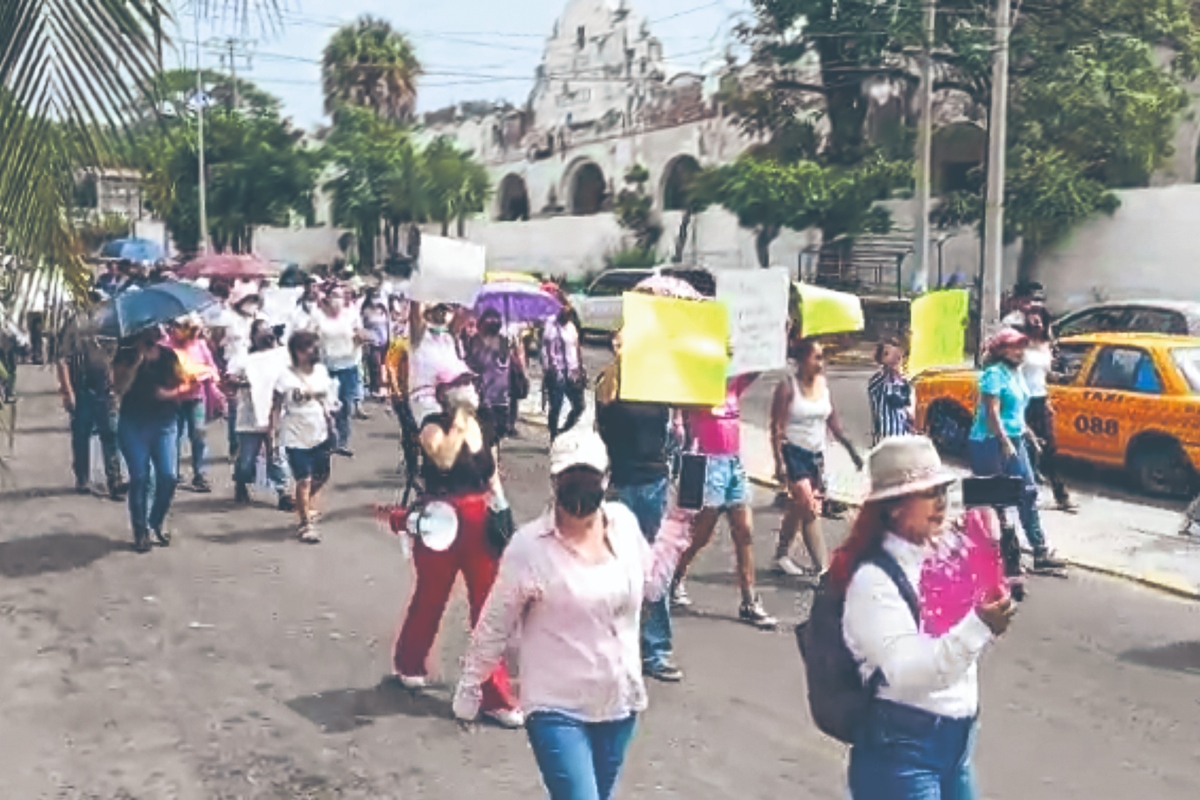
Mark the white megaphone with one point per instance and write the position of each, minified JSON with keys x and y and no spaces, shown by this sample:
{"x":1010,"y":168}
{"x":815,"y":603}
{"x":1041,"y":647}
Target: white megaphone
{"x":435,"y":524}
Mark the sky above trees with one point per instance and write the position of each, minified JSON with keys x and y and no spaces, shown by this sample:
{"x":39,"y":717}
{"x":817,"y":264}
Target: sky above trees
{"x":471,"y":49}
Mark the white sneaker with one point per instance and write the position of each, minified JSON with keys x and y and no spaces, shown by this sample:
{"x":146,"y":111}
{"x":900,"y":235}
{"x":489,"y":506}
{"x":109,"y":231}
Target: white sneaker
{"x":509,"y":718}
{"x":787,"y":566}
{"x":679,"y":596}
{"x":412,"y":681}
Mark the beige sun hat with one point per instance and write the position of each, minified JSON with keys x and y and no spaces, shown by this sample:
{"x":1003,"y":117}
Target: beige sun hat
{"x":904,"y":465}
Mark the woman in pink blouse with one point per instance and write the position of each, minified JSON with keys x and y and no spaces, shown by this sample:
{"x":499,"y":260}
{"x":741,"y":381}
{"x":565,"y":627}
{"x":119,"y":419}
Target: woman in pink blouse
{"x":568,"y":598}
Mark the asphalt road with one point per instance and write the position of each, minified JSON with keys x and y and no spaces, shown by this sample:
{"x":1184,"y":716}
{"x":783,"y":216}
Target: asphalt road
{"x":241,"y":664}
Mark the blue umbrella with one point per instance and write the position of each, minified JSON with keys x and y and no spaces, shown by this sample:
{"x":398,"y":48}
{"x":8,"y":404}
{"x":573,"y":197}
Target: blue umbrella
{"x":138,"y":308}
{"x":133,"y":249}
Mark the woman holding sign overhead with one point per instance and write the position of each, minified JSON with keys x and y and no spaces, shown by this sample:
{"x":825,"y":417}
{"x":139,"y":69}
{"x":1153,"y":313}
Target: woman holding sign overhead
{"x":802,"y":417}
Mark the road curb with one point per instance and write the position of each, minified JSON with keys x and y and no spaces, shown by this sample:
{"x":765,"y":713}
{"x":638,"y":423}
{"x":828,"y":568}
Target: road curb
{"x":1161,"y":581}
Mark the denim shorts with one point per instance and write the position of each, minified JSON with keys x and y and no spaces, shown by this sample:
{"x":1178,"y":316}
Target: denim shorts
{"x":725,"y":482}
{"x":311,"y":463}
{"x":801,"y":465}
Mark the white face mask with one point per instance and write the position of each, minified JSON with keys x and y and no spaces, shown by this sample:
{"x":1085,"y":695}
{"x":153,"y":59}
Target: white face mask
{"x":463,"y":397}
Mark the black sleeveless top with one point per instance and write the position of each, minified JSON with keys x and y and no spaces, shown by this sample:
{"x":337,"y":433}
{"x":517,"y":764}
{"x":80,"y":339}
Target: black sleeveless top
{"x":471,"y":473}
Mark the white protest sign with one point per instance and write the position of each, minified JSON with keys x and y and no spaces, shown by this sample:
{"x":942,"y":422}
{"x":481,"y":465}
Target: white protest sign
{"x":757,"y":300}
{"x":279,"y":304}
{"x":449,"y":271}
{"x":262,"y":371}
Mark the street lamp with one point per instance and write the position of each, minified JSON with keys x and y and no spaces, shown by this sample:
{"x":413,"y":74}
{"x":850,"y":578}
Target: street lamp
{"x":940,"y":241}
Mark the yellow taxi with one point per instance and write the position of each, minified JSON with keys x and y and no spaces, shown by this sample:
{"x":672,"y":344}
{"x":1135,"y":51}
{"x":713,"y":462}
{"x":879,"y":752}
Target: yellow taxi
{"x":1127,"y":400}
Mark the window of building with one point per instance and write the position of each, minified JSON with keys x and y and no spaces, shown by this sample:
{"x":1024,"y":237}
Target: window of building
{"x":581,"y":37}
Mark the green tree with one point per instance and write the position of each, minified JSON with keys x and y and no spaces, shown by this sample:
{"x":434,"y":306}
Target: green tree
{"x":380,"y":182}
{"x":1091,"y":107}
{"x":635,"y":213}
{"x":258,"y":171}
{"x":370,"y":65}
{"x":458,"y":185}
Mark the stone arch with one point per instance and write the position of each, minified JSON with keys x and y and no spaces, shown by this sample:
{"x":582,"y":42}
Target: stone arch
{"x":677,"y":178}
{"x":587,"y":189}
{"x":957,"y":150}
{"x":514,"y":198}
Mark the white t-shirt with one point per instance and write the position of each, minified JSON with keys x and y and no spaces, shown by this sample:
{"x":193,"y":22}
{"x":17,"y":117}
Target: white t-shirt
{"x":236,"y":342}
{"x":306,"y":401}
{"x":338,"y":348}
{"x":1035,"y":366}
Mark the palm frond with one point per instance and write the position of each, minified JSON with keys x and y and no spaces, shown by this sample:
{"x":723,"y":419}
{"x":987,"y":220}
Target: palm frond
{"x":72,"y":73}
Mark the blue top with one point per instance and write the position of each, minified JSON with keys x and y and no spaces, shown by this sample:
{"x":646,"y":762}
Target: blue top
{"x":1002,"y":381}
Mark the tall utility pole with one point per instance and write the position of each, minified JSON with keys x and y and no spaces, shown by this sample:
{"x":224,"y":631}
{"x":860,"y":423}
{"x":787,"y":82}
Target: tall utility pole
{"x":237,"y":100}
{"x":924,"y":259}
{"x":993,"y":226}
{"x":201,"y":101}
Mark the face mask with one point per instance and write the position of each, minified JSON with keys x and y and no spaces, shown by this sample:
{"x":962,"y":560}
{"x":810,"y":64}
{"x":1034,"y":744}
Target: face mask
{"x":249,"y":309}
{"x":581,"y":495}
{"x":438,"y":330}
{"x":463,"y":397}
{"x":491,"y":328}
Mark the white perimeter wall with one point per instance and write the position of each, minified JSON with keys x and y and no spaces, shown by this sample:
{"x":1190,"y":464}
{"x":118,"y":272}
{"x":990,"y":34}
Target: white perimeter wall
{"x":572,"y":246}
{"x":1150,"y":248}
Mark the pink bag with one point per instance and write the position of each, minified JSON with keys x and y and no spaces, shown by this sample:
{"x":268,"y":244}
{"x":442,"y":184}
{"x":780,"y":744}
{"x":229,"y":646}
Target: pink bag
{"x":965,"y":571}
{"x":215,"y":404}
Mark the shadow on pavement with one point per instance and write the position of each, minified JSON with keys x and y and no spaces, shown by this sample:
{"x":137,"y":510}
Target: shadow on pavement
{"x":1178,"y":657}
{"x":344,"y":710}
{"x":37,"y":493}
{"x":43,"y":430}
{"x":284,"y":531}
{"x":762,"y":577}
{"x":55,"y":552}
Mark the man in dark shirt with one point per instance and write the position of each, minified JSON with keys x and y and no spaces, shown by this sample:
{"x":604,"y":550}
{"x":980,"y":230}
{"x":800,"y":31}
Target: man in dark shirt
{"x":637,"y":435}
{"x":85,"y":385}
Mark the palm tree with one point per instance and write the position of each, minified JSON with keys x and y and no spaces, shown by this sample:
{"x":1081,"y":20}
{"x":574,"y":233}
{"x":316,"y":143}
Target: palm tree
{"x":371,"y":65}
{"x":69,"y":74}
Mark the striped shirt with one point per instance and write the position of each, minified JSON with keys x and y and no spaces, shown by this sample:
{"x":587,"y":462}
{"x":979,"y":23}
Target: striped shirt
{"x":890,"y":396}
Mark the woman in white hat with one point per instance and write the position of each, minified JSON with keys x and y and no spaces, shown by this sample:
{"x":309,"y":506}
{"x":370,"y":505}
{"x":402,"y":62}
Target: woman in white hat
{"x":918,"y":738}
{"x":569,"y":599}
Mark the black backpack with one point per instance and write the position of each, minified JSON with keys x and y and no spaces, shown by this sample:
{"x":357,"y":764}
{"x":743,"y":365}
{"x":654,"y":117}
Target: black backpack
{"x":837,"y":697}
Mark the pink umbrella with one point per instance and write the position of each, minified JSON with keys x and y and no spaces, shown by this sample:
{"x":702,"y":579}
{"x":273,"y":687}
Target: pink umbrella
{"x":225,"y":265}
{"x":669,"y":286}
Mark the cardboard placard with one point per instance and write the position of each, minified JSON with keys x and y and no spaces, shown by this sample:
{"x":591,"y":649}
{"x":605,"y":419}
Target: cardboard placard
{"x":826,"y":311}
{"x":939,"y":330}
{"x":757,"y":301}
{"x":450,"y":271}
{"x":673,"y":351}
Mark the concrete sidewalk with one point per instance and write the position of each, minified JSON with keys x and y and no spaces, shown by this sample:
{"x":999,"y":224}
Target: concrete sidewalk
{"x":1135,"y":541}
{"x":1129,"y":540}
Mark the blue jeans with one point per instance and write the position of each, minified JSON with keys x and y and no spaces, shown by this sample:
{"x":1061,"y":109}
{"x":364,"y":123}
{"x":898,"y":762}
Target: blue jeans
{"x":94,"y":415}
{"x":987,"y":459}
{"x":905,"y":753}
{"x":578,"y":760}
{"x":192,"y":426}
{"x":147,"y":444}
{"x":648,"y":502}
{"x":245,"y":469}
{"x":231,"y":413}
{"x":349,"y":383}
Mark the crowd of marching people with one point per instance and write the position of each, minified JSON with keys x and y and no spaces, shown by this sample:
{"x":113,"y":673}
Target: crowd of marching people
{"x":582,"y":596}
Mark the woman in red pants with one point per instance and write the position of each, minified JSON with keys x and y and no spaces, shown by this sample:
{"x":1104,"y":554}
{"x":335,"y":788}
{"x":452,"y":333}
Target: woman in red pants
{"x":459,"y":468}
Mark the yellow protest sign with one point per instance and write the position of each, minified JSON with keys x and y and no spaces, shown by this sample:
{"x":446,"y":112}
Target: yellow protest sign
{"x":673,"y":351}
{"x":826,"y":311}
{"x":939,"y":330}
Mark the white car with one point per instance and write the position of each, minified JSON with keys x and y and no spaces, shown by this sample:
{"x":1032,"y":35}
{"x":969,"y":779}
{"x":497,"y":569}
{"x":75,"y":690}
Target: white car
{"x":600,"y":305}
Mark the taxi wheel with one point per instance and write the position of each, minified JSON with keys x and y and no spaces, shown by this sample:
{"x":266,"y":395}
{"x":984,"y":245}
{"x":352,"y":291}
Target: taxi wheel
{"x":948,"y":426}
{"x":1162,"y":468}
